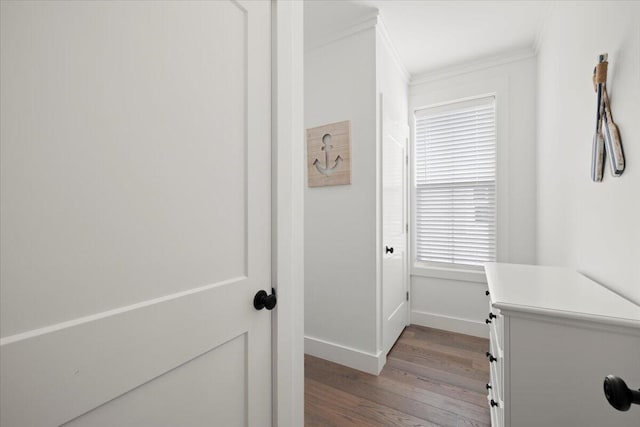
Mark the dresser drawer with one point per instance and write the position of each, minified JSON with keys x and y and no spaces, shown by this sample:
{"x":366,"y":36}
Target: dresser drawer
{"x":496,"y":367}
{"x":497,"y":385}
{"x":497,"y":325}
{"x":496,"y":411}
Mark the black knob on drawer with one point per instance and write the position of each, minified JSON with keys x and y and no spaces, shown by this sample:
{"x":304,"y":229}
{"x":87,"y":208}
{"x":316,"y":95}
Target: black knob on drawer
{"x":486,"y":293}
{"x":493,"y":403}
{"x":487,"y":321}
{"x":491,"y":358}
{"x":492,"y":316}
{"x":488,"y":386}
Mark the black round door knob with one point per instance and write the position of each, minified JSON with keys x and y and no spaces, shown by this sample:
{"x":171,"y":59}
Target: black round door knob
{"x":491,"y":357}
{"x":388,"y":250}
{"x":486,"y":293}
{"x":618,"y":394}
{"x":493,"y":403}
{"x":488,"y":386}
{"x":492,"y":316}
{"x":263,"y":300}
{"x":487,"y":321}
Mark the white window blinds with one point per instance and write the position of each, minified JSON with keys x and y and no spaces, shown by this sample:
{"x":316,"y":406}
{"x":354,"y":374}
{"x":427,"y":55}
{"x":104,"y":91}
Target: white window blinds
{"x":456,"y":182}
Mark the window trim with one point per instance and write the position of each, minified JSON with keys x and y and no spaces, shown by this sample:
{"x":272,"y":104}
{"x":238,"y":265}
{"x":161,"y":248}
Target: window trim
{"x":464,"y":273}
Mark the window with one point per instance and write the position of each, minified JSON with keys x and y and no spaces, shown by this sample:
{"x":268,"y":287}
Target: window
{"x":455,"y":183}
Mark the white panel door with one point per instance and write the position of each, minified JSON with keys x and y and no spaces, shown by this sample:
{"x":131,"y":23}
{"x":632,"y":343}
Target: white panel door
{"x":394,"y":280}
{"x":135,"y":213}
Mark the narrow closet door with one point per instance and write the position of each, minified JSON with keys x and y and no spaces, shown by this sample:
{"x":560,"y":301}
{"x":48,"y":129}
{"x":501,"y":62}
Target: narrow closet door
{"x":395,"y":303}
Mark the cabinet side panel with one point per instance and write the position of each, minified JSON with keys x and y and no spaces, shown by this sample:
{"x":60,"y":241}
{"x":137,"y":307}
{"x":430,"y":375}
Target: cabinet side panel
{"x":557,"y":371}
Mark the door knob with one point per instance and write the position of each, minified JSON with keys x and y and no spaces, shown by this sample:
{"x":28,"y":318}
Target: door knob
{"x":618,"y":394}
{"x":262,"y":300}
{"x":491,"y":357}
{"x":388,"y":250}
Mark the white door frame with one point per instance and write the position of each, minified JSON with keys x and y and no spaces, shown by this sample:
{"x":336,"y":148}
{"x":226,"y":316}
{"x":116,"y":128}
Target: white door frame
{"x":288,"y":198}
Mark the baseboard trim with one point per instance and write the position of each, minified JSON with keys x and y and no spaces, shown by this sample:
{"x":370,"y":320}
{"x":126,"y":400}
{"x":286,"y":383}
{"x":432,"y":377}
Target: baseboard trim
{"x":449,"y":323}
{"x":347,"y":356}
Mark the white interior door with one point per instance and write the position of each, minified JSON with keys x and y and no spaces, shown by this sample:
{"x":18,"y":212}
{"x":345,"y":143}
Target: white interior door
{"x":394,"y":219}
{"x":135,"y":213}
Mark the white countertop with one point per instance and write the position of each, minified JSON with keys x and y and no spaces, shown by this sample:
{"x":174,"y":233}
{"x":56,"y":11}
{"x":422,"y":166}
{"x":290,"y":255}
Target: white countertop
{"x":559,"y":292}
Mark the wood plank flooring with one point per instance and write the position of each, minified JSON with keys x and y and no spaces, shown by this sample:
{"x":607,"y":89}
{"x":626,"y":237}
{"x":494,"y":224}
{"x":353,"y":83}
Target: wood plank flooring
{"x":432,"y":378}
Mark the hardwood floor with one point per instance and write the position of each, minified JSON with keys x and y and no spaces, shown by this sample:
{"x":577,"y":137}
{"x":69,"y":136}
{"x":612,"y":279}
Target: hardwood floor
{"x":432,"y":378}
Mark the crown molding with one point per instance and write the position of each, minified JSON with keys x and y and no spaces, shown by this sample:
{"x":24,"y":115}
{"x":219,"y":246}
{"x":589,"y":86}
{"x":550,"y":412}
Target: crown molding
{"x":472,"y":66}
{"x":369,"y":21}
{"x":384,"y":34}
{"x":374,"y":20}
{"x":542,"y":28}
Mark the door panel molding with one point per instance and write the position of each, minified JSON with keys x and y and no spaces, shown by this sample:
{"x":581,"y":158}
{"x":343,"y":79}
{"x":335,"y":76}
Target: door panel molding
{"x":132,"y":409}
{"x":65,"y":365}
{"x":34,"y":333}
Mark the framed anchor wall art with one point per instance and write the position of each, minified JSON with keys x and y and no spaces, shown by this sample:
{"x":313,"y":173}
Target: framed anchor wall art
{"x":329,"y":154}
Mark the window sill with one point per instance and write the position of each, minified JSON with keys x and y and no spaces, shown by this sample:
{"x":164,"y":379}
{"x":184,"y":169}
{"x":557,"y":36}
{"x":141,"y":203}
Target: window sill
{"x":461,"y":274}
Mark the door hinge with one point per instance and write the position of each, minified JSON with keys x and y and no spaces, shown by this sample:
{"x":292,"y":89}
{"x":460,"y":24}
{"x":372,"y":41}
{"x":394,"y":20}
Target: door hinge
{"x":406,"y":159}
{"x":406,"y":228}
{"x":407,"y":295}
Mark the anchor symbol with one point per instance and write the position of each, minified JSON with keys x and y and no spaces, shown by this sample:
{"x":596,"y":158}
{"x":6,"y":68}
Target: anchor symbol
{"x":326,"y":147}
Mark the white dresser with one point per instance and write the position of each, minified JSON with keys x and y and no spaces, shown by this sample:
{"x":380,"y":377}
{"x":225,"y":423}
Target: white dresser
{"x":555,"y":336}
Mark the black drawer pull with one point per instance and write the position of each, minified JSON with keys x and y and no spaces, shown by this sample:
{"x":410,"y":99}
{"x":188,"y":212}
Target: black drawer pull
{"x":491,"y":358}
{"x":493,"y":403}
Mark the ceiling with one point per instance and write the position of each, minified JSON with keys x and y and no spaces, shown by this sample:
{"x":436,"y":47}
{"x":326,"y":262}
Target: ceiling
{"x":430,"y":35}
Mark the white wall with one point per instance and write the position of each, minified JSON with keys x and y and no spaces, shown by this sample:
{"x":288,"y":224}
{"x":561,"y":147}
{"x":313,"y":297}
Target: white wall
{"x":591,"y":227}
{"x":345,"y":71}
{"x":340,"y":221}
{"x":449,"y":299}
